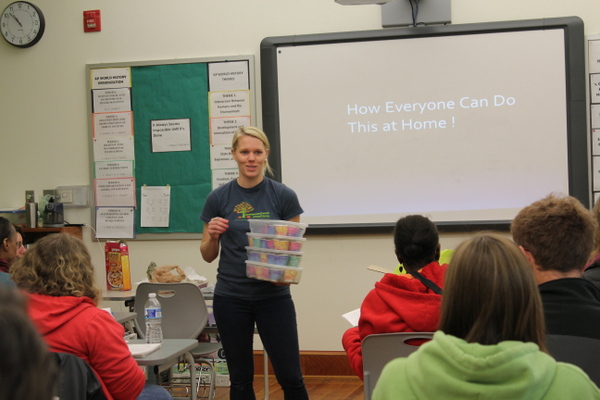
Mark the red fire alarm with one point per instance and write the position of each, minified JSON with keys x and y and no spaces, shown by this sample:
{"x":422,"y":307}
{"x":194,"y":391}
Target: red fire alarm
{"x":91,"y":21}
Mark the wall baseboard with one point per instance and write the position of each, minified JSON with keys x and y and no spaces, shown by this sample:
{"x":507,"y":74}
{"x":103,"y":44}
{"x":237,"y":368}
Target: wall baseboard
{"x":315,"y":363}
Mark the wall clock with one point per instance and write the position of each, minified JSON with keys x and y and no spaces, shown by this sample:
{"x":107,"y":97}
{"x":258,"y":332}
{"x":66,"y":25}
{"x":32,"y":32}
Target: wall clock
{"x":22,"y":24}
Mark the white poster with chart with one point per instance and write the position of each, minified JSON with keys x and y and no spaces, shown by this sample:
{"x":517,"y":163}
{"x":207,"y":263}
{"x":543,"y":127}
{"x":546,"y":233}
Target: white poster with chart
{"x":156,"y":206}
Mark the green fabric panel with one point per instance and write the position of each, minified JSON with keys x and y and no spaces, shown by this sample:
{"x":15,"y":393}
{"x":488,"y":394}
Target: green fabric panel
{"x":177,"y":91}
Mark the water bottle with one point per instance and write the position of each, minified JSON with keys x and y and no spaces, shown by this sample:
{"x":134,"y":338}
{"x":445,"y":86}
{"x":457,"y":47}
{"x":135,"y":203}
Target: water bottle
{"x":153,"y":317}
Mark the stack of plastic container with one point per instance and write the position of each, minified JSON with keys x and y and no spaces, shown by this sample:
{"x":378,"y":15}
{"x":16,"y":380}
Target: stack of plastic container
{"x":274,"y":250}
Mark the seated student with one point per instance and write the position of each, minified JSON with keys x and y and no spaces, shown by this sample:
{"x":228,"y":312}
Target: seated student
{"x":402,"y":303}
{"x":27,"y":369}
{"x":556,"y":235}
{"x":57,"y":273}
{"x":21,"y":249}
{"x":491,"y":342}
{"x":8,"y":250}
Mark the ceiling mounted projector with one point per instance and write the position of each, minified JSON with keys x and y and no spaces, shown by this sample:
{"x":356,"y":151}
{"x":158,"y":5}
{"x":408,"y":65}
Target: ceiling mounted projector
{"x":361,"y":2}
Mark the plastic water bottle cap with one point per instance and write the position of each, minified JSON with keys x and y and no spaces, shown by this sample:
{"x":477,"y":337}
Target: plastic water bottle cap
{"x":151,"y":295}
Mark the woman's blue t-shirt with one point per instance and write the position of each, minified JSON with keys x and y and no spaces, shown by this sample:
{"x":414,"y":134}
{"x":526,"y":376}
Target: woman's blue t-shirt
{"x":267,"y":200}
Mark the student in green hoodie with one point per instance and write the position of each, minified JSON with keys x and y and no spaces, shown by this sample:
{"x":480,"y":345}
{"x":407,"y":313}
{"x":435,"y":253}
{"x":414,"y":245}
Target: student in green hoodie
{"x":491,"y":342}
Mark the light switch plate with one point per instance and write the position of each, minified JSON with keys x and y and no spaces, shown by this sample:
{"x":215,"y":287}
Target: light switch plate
{"x":73,"y":196}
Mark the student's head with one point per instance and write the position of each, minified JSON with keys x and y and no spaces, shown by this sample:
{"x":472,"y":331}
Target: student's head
{"x":416,"y":242}
{"x":27,"y":369}
{"x":490,"y":294}
{"x":57,"y":265}
{"x":253,"y":132}
{"x":8,"y":241}
{"x":558,"y":232}
{"x":21,"y":249}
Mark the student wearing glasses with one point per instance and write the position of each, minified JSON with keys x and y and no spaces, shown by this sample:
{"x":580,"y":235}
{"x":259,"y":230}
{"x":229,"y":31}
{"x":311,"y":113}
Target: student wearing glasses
{"x":21,"y":249}
{"x":9,"y":246}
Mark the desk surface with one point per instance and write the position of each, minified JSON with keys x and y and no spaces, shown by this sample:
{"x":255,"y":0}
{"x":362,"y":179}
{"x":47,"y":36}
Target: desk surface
{"x":129,"y":295}
{"x":168,"y":354}
{"x":122,"y":317}
{"x":170,"y":350}
{"x":118,"y":295}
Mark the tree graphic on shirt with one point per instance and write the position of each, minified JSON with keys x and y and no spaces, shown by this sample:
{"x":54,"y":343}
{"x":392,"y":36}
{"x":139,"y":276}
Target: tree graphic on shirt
{"x":243,"y":209}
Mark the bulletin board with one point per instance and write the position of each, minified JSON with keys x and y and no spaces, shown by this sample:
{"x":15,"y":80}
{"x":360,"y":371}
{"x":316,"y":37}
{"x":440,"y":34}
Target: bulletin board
{"x":160,"y":141}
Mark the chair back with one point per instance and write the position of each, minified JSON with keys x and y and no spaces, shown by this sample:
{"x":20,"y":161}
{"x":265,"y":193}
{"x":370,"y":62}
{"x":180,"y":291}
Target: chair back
{"x":580,"y":351}
{"x":77,"y":379}
{"x":381,"y":348}
{"x":184,"y":311}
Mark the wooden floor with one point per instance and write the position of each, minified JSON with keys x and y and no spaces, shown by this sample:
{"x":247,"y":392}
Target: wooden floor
{"x":319,"y":388}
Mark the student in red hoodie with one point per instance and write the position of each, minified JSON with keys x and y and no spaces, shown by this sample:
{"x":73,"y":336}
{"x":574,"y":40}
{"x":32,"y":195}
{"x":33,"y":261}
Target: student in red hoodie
{"x":57,"y":273}
{"x":402,"y":303}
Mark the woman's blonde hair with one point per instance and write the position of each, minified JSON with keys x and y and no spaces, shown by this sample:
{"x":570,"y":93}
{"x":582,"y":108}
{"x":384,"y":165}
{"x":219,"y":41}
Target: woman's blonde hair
{"x":490,"y":294}
{"x":57,"y":265}
{"x":255,"y":133}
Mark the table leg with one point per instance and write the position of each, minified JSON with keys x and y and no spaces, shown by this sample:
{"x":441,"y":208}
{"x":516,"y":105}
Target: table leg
{"x":192,"y":363}
{"x":130,"y":304}
{"x":266,"y":372}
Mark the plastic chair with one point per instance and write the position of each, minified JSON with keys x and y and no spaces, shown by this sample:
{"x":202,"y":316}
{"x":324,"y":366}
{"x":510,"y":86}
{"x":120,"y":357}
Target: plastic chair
{"x":184,"y":316}
{"x":581,"y":351}
{"x":77,"y":379}
{"x":381,"y":348}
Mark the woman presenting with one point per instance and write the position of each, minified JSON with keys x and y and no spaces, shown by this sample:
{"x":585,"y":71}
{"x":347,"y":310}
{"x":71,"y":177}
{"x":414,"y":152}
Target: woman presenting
{"x":240,"y":302}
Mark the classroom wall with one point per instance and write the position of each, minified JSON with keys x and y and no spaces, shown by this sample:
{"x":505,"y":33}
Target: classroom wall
{"x":44,"y":118}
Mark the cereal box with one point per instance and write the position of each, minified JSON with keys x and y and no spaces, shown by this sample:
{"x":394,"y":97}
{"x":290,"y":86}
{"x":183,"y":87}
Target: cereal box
{"x":118,"y":274}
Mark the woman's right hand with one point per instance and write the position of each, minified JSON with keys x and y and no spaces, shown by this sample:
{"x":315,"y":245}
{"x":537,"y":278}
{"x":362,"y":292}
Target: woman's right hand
{"x":216,"y":227}
{"x":209,"y":247}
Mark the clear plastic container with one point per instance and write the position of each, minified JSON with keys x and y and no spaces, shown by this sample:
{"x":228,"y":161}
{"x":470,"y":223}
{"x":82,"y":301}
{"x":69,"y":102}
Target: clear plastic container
{"x":277,"y":227}
{"x":276,"y":257}
{"x":153,"y":319}
{"x":273,"y":273}
{"x":275,"y":242}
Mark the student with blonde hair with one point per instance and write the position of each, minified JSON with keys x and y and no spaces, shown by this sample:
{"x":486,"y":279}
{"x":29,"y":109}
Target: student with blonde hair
{"x":491,"y":338}
{"x":58,"y":275}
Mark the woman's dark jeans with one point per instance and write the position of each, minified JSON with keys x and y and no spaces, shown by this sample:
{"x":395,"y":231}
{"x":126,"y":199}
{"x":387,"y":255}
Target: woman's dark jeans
{"x":275,"y":319}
